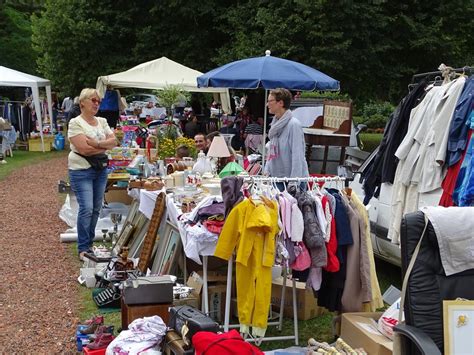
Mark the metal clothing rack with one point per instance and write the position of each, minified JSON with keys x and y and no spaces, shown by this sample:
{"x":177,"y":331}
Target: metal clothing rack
{"x":226,"y":325}
{"x":417,"y":77}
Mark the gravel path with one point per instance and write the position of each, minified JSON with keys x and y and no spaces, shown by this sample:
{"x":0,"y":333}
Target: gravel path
{"x":39,"y":294}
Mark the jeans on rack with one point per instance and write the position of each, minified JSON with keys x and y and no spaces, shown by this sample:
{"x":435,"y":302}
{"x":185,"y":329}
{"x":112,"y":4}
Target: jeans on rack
{"x":89,"y":187}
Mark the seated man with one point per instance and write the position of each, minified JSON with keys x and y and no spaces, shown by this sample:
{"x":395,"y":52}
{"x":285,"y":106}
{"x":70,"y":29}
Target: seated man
{"x":201,"y":143}
{"x":191,"y":128}
{"x":147,"y":112}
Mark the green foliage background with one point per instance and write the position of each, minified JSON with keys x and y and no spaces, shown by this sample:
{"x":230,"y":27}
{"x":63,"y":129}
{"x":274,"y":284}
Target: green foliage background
{"x":372,"y":47}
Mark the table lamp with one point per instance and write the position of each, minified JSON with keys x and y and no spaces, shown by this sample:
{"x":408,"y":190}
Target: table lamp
{"x":218,"y":149}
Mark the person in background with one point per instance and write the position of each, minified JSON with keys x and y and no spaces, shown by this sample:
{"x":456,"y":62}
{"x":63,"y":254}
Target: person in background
{"x":67,"y":105}
{"x":55,"y":109}
{"x":181,"y":152}
{"x":110,"y":107}
{"x":286,"y":153}
{"x":74,"y":112}
{"x":191,"y":128}
{"x":253,"y":136}
{"x":88,"y":135}
{"x":147,"y":112}
{"x":206,"y":111}
{"x":229,"y":128}
{"x":201,"y":142}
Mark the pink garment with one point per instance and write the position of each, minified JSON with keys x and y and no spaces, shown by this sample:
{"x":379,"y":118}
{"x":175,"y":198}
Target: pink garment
{"x":253,"y":141}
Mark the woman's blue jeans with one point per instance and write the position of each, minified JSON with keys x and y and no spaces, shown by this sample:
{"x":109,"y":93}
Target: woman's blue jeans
{"x":89,"y":186}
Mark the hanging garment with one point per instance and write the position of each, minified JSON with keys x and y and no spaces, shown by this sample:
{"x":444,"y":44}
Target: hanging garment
{"x":385,"y":163}
{"x":251,"y":229}
{"x":357,"y":284}
{"x":458,"y":129}
{"x":332,"y":286}
{"x":449,"y":182}
{"x":418,"y":170}
{"x":313,"y":236}
{"x":430,"y":169}
{"x":375,"y":293}
{"x":464,"y":192}
{"x":333,"y":264}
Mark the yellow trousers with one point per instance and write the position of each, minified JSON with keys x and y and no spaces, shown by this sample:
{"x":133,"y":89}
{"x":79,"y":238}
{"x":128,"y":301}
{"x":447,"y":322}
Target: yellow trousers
{"x":254,"y":287}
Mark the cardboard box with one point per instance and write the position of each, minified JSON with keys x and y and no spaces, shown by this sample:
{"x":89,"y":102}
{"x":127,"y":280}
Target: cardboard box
{"x":307,"y":304}
{"x":192,"y":300}
{"x":217,"y":294}
{"x":359,"y":330}
{"x":118,"y":196}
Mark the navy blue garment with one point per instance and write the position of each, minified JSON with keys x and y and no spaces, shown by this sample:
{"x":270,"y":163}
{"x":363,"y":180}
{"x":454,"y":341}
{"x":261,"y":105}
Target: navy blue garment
{"x":110,"y":102}
{"x":343,"y":228}
{"x":332,"y":285}
{"x":459,"y":126}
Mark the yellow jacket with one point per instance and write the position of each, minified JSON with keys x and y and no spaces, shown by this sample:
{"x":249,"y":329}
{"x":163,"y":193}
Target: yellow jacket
{"x":246,"y":222}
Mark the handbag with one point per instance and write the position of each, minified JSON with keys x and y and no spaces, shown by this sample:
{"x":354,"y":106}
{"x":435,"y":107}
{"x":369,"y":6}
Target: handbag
{"x":97,"y":162}
{"x":303,"y":260}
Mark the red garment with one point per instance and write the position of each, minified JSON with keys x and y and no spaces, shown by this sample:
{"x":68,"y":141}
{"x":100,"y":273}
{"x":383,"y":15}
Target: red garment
{"x":449,"y":182}
{"x":208,"y":343}
{"x":333,"y":264}
{"x":213,"y":226}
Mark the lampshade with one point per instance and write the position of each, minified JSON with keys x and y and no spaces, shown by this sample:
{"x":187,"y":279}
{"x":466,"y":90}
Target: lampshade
{"x":218,"y":148}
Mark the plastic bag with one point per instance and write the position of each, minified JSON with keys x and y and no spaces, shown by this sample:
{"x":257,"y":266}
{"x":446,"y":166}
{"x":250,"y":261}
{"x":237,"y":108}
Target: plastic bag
{"x":389,"y":319}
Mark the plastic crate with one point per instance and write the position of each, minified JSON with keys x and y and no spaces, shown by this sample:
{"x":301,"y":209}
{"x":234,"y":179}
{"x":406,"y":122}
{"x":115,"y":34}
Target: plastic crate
{"x":81,"y":339}
{"x":34,"y":145}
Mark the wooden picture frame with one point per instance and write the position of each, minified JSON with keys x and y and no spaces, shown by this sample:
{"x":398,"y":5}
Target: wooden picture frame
{"x":458,"y":327}
{"x":168,"y":251}
{"x":136,"y":242}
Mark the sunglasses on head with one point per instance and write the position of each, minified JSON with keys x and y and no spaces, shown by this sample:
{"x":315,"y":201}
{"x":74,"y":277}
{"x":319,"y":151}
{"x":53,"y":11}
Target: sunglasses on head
{"x":96,"y":101}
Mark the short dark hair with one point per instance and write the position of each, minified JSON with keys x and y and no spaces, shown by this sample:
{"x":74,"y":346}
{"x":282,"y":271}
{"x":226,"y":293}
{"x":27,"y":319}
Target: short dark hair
{"x":254,"y":118}
{"x":281,"y":94}
{"x":182,"y":151}
{"x":211,"y":135}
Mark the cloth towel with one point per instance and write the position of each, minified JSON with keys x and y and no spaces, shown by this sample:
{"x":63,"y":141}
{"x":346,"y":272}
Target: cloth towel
{"x":453,"y":227}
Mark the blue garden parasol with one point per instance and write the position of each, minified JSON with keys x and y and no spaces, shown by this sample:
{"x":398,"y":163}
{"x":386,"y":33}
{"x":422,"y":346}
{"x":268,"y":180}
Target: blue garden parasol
{"x":269,"y":73}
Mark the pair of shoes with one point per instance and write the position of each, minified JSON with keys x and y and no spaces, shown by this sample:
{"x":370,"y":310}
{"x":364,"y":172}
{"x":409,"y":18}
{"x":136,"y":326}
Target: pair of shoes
{"x":103,"y":329}
{"x":102,"y":341}
{"x":95,"y":322}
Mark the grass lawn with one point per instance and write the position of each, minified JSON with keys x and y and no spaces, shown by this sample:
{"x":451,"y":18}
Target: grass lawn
{"x":370,"y":141}
{"x":23,"y":158}
{"x":318,"y":328}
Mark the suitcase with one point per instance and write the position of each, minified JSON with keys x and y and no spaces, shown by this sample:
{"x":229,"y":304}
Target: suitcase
{"x":187,"y":321}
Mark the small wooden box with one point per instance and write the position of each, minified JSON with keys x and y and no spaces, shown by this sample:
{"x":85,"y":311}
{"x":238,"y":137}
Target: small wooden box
{"x":132,"y":312}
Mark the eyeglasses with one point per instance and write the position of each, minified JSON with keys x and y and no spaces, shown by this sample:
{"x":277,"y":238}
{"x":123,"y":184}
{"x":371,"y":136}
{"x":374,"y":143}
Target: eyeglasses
{"x":96,"y":101}
{"x":271,"y":100}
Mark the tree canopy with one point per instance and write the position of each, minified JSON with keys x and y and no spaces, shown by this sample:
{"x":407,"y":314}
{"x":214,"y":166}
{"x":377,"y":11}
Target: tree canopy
{"x":372,"y":47}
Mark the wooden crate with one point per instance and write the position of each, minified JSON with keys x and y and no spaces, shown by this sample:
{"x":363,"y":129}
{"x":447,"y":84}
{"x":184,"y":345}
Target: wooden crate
{"x":34,"y":145}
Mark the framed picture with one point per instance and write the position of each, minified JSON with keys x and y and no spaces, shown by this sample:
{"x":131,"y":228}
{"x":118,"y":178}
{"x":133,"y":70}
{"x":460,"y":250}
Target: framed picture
{"x":458,"y":326}
{"x":169,"y":248}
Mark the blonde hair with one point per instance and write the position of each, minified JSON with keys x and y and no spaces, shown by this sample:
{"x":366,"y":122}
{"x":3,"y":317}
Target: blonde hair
{"x":87,"y":93}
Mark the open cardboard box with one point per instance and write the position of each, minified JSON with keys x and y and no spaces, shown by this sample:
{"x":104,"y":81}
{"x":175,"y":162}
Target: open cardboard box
{"x":359,"y":330}
{"x":306,"y":303}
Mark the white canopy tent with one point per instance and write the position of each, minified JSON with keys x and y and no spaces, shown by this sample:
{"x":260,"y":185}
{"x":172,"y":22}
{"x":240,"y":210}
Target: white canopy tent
{"x":157,"y":74}
{"x":10,"y":77}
